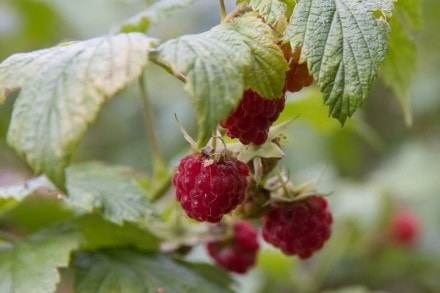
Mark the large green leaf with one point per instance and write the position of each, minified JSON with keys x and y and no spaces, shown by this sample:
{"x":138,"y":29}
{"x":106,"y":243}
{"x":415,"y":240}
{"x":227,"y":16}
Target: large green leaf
{"x":220,"y":64}
{"x":122,"y":270}
{"x":61,"y":91}
{"x":98,"y":233}
{"x":400,"y":64}
{"x":36,"y":212}
{"x":344,"y":43}
{"x":113,"y":191}
{"x":273,"y":10}
{"x":157,"y":12}
{"x":30,"y":265}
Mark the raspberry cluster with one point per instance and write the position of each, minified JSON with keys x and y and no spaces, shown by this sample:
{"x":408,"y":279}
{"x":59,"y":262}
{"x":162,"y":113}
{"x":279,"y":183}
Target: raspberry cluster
{"x":237,"y":253}
{"x":300,"y":227}
{"x":207,"y":189}
{"x":251,"y":121}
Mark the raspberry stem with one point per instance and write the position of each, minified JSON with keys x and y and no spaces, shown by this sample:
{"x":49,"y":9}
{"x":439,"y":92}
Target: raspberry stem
{"x":235,"y":12}
{"x":222,"y":9}
{"x":158,"y":162}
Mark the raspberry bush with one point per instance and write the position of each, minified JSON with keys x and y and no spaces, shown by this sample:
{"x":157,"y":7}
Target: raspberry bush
{"x":95,"y":226}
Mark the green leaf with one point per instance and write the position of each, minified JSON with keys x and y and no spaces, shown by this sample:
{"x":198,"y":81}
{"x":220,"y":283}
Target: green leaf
{"x":159,"y":11}
{"x":113,"y":191}
{"x":11,"y":195}
{"x":36,"y":212}
{"x":400,"y":64}
{"x":344,"y":43}
{"x":266,"y":74}
{"x":272,"y":10}
{"x":411,"y":10}
{"x":62,"y":90}
{"x":98,"y":233}
{"x":30,"y":265}
{"x":219,"y":65}
{"x":122,"y":270}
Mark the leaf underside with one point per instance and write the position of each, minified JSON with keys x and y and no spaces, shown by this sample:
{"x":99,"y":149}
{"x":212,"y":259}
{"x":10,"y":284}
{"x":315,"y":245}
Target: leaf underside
{"x":344,"y":44}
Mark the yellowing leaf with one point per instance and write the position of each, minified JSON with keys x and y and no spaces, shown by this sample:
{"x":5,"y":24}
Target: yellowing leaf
{"x":61,"y":91}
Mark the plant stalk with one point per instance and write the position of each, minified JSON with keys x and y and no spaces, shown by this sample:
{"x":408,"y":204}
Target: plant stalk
{"x":222,"y":10}
{"x":158,"y":162}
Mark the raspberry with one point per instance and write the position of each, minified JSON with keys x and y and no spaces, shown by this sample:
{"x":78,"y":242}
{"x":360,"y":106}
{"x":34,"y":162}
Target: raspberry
{"x":208,"y":189}
{"x":300,"y":227}
{"x":251,"y":121}
{"x":298,"y":75}
{"x":238,"y":253}
{"x":404,"y":227}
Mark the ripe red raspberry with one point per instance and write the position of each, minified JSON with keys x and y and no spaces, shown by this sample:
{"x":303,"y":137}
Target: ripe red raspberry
{"x":251,"y":121}
{"x":208,"y":189}
{"x":238,"y":253}
{"x":300,"y":227}
{"x":404,"y":227}
{"x":298,"y":75}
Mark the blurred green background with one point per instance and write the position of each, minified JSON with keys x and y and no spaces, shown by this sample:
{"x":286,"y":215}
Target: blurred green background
{"x":375,"y":164}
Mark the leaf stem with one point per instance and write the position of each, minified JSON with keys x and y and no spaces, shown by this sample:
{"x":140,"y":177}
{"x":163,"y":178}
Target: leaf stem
{"x":158,"y":162}
{"x":161,"y":188}
{"x":222,"y":10}
{"x":234,"y":13}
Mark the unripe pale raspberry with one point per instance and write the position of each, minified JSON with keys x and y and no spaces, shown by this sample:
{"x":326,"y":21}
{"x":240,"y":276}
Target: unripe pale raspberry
{"x":300,"y":227}
{"x":238,"y":253}
{"x":208,"y":189}
{"x":251,"y":121}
